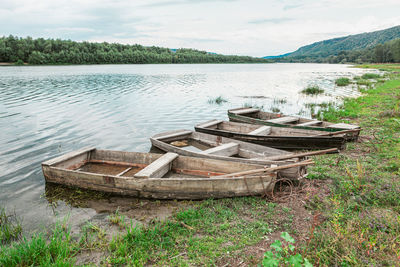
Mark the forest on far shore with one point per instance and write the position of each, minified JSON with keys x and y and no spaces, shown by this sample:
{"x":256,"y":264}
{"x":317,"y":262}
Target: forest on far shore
{"x":55,"y":51}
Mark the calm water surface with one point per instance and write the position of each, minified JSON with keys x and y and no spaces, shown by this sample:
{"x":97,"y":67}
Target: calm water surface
{"x":47,"y":111}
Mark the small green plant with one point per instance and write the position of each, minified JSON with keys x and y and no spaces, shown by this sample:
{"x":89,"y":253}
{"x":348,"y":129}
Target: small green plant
{"x":117,"y":219}
{"x":370,"y":76}
{"x":218,"y":100}
{"x":343,"y":81}
{"x":312,"y":90}
{"x":284,"y":254}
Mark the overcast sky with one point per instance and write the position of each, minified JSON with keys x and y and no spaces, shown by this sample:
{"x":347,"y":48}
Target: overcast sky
{"x":242,"y":27}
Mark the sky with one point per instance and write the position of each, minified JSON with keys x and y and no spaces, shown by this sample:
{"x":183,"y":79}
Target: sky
{"x":240,"y":27}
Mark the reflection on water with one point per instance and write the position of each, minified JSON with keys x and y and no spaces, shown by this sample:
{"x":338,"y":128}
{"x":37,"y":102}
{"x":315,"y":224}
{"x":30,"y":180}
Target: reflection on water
{"x":46,"y":111}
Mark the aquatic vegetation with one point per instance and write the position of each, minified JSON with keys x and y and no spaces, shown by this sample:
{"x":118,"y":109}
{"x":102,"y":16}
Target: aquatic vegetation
{"x":343,"y":81}
{"x":363,"y":82}
{"x":312,"y":90}
{"x":252,"y":105}
{"x":279,"y":101}
{"x":218,"y":100}
{"x":275,"y":109}
{"x":370,"y":76}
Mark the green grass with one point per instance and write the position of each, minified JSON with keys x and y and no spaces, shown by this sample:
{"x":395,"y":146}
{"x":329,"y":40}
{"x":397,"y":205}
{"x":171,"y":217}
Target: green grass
{"x":207,"y":233}
{"x":312,"y":90}
{"x":58,"y":249}
{"x":200,"y":235}
{"x":362,"y":213}
{"x":343,"y":81}
{"x":363,"y":82}
{"x":10,"y":227}
{"x":367,"y":76}
{"x":218,"y":100}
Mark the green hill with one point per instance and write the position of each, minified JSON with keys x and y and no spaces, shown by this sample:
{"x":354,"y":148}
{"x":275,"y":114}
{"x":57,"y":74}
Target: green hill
{"x":318,"y":51}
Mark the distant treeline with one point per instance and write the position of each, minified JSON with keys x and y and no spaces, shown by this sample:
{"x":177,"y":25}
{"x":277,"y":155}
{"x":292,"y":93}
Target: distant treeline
{"x":388,"y":52}
{"x":50,"y":51}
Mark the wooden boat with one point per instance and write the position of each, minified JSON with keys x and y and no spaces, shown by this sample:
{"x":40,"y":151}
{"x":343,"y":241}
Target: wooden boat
{"x":276,"y":137}
{"x":256,"y":116}
{"x":158,"y":176}
{"x":195,"y":144}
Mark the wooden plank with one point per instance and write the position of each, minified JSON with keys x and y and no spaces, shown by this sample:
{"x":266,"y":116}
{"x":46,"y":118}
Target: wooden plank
{"x":263,"y":130}
{"x":305,"y":154}
{"x":309,"y":123}
{"x":338,"y":132}
{"x":159,"y":167}
{"x":283,"y":120}
{"x":177,"y":134}
{"x":209,"y":123}
{"x":68,"y":156}
{"x":228,"y":149}
{"x":244,"y":111}
{"x":266,"y":170}
{"x":124,"y":171}
{"x":343,"y":126}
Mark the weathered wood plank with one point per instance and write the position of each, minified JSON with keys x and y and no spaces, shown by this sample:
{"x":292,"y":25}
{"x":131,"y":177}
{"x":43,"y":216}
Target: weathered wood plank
{"x":263,"y":130}
{"x":68,"y":156}
{"x":244,"y":111}
{"x":343,"y":126}
{"x":159,"y":167}
{"x":124,"y":171}
{"x":266,"y":170}
{"x":302,"y":155}
{"x":283,"y":120}
{"x":338,"y":132}
{"x":227,"y":150}
{"x":310,"y":123}
{"x":179,"y":133}
{"x":209,"y":123}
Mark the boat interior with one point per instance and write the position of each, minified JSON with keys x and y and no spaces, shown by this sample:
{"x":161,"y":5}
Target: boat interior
{"x":261,"y":130}
{"x":215,"y":145}
{"x":145,"y":165}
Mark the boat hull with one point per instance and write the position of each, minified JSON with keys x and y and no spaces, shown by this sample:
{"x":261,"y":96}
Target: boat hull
{"x":282,"y":142}
{"x":65,"y":170}
{"x":353,"y":136}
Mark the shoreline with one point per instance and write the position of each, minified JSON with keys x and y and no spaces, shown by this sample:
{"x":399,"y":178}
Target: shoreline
{"x":237,"y":231}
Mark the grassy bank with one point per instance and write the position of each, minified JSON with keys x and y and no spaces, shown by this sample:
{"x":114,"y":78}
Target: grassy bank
{"x":346,"y":213}
{"x":361,"y":215}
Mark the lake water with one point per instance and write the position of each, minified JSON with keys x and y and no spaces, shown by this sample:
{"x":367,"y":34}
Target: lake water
{"x":46,"y":111}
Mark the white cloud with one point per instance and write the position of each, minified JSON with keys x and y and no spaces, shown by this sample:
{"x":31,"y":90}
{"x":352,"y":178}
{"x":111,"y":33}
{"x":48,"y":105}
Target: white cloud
{"x":252,"y":27}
